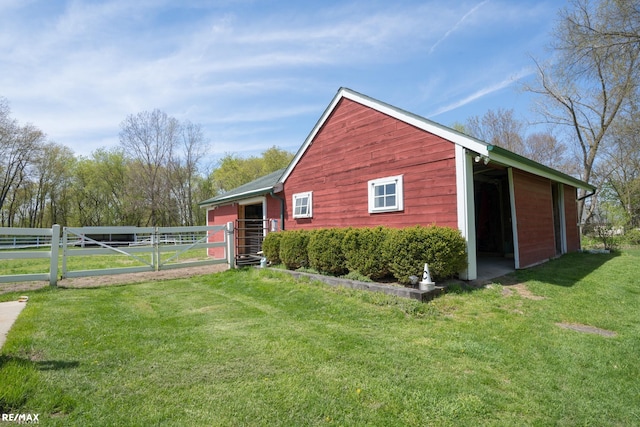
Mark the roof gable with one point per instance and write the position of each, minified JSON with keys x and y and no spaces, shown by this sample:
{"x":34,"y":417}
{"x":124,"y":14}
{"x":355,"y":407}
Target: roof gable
{"x":475,"y":145}
{"x":395,"y":112}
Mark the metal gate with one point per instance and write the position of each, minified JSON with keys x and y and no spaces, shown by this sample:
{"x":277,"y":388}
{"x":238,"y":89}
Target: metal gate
{"x":120,"y":249}
{"x":249,"y":236}
{"x":143,"y":248}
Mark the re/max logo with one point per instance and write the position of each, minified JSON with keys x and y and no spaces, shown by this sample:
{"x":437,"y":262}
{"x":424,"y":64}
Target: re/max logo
{"x":21,"y":418}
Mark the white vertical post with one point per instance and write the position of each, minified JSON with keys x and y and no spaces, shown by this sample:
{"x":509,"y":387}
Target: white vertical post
{"x":231,"y":252}
{"x":155,"y":245}
{"x":65,"y":239}
{"x":466,"y":210}
{"x":53,"y":260}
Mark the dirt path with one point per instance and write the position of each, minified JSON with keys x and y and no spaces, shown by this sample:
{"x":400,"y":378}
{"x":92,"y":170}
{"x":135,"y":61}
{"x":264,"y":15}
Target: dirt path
{"x":117,"y":279}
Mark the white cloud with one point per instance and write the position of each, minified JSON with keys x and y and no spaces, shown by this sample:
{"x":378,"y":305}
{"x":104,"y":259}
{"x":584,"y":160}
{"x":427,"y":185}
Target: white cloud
{"x":77,"y":68}
{"x":456,"y":25}
{"x":483,"y":91}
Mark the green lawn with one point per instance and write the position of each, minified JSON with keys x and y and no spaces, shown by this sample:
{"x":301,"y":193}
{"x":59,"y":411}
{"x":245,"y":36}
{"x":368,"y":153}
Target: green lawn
{"x":255,"y":347}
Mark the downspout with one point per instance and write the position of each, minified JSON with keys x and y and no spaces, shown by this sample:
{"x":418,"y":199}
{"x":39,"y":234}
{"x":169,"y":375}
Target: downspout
{"x":586,"y":196}
{"x":580,"y":224}
{"x":273,"y":194}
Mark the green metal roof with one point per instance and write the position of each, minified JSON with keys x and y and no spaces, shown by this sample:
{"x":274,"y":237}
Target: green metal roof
{"x":259,"y":187}
{"x":536,"y":168}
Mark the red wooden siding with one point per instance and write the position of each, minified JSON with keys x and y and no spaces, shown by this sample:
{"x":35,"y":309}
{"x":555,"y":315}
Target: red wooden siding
{"x":571,"y":219}
{"x":220,"y":216}
{"x":534,"y":210}
{"x":357,"y":144}
{"x":273,"y":209}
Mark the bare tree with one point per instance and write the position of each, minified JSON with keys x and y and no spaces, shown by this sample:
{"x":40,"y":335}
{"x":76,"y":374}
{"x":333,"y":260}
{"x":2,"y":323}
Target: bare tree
{"x":18,"y":145}
{"x":591,"y":77}
{"x":191,"y":149}
{"x":149,"y":139}
{"x":545,"y":148}
{"x":499,"y":128}
{"x":616,"y":24}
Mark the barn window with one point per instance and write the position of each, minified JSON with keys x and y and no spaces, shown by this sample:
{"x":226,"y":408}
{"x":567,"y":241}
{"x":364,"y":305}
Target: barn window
{"x":385,"y":194}
{"x":302,"y":205}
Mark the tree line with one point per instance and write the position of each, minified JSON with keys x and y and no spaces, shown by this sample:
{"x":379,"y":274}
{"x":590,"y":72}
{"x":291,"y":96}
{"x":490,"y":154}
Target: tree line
{"x":156,"y":176}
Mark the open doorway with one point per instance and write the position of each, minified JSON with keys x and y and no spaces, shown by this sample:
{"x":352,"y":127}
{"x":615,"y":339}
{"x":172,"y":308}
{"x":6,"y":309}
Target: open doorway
{"x":249,"y":233}
{"x":494,"y":226}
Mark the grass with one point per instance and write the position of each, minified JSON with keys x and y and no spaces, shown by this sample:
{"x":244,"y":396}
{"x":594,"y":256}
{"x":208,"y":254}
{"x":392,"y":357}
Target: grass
{"x":96,"y":262}
{"x":256,"y":347}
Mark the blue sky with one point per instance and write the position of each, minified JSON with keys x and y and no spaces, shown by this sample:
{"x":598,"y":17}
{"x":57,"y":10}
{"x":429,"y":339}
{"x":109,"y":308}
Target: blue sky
{"x":260,"y":73}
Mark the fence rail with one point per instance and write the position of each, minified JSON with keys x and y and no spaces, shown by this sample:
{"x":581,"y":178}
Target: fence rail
{"x":53,"y":234}
{"x":145,"y":248}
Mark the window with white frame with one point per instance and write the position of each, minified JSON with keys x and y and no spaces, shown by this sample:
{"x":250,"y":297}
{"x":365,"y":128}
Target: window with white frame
{"x":385,"y":194}
{"x":302,"y":205}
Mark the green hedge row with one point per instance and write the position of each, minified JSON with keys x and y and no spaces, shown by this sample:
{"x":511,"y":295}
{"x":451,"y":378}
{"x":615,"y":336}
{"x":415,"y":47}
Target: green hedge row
{"x":376,"y":253}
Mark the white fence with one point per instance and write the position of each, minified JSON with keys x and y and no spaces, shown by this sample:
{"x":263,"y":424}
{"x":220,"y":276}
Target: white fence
{"x":147,"y":248}
{"x":38,"y":235}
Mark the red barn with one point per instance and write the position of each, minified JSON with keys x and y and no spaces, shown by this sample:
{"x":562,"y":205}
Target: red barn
{"x":367,"y":163}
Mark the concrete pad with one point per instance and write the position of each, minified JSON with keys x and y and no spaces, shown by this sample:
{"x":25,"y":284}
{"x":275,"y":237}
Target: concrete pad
{"x":9,"y":312}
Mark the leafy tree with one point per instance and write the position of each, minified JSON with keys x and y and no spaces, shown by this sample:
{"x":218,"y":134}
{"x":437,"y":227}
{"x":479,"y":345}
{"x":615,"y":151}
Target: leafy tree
{"x":619,"y":170}
{"x":101,"y":194}
{"x":51,"y":173}
{"x":233,"y":171}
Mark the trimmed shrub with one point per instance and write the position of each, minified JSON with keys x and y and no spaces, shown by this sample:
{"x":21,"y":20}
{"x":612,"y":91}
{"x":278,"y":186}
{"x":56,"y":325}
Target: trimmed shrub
{"x":325,"y":250}
{"x":271,"y":247}
{"x":363,"y":253}
{"x":293,"y":248}
{"x":408,"y":249}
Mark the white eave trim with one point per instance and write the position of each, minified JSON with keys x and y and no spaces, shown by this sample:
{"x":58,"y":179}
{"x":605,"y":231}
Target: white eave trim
{"x":233,"y":197}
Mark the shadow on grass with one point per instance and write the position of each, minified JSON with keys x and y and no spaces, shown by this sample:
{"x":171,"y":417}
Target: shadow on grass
{"x":40,"y":365}
{"x":565,"y":271}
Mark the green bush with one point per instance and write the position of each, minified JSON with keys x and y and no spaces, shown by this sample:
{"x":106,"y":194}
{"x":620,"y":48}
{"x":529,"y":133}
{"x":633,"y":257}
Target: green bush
{"x":632,"y":237}
{"x":408,"y":249}
{"x":325,"y":250}
{"x":271,"y":247}
{"x":363,"y":253}
{"x":293,"y":248}
{"x":372,"y":252}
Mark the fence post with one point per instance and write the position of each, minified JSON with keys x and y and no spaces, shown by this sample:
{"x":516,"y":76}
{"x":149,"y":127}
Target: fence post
{"x":53,"y":259}
{"x":231,"y":252}
{"x":155,"y":242}
{"x":65,"y":240}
